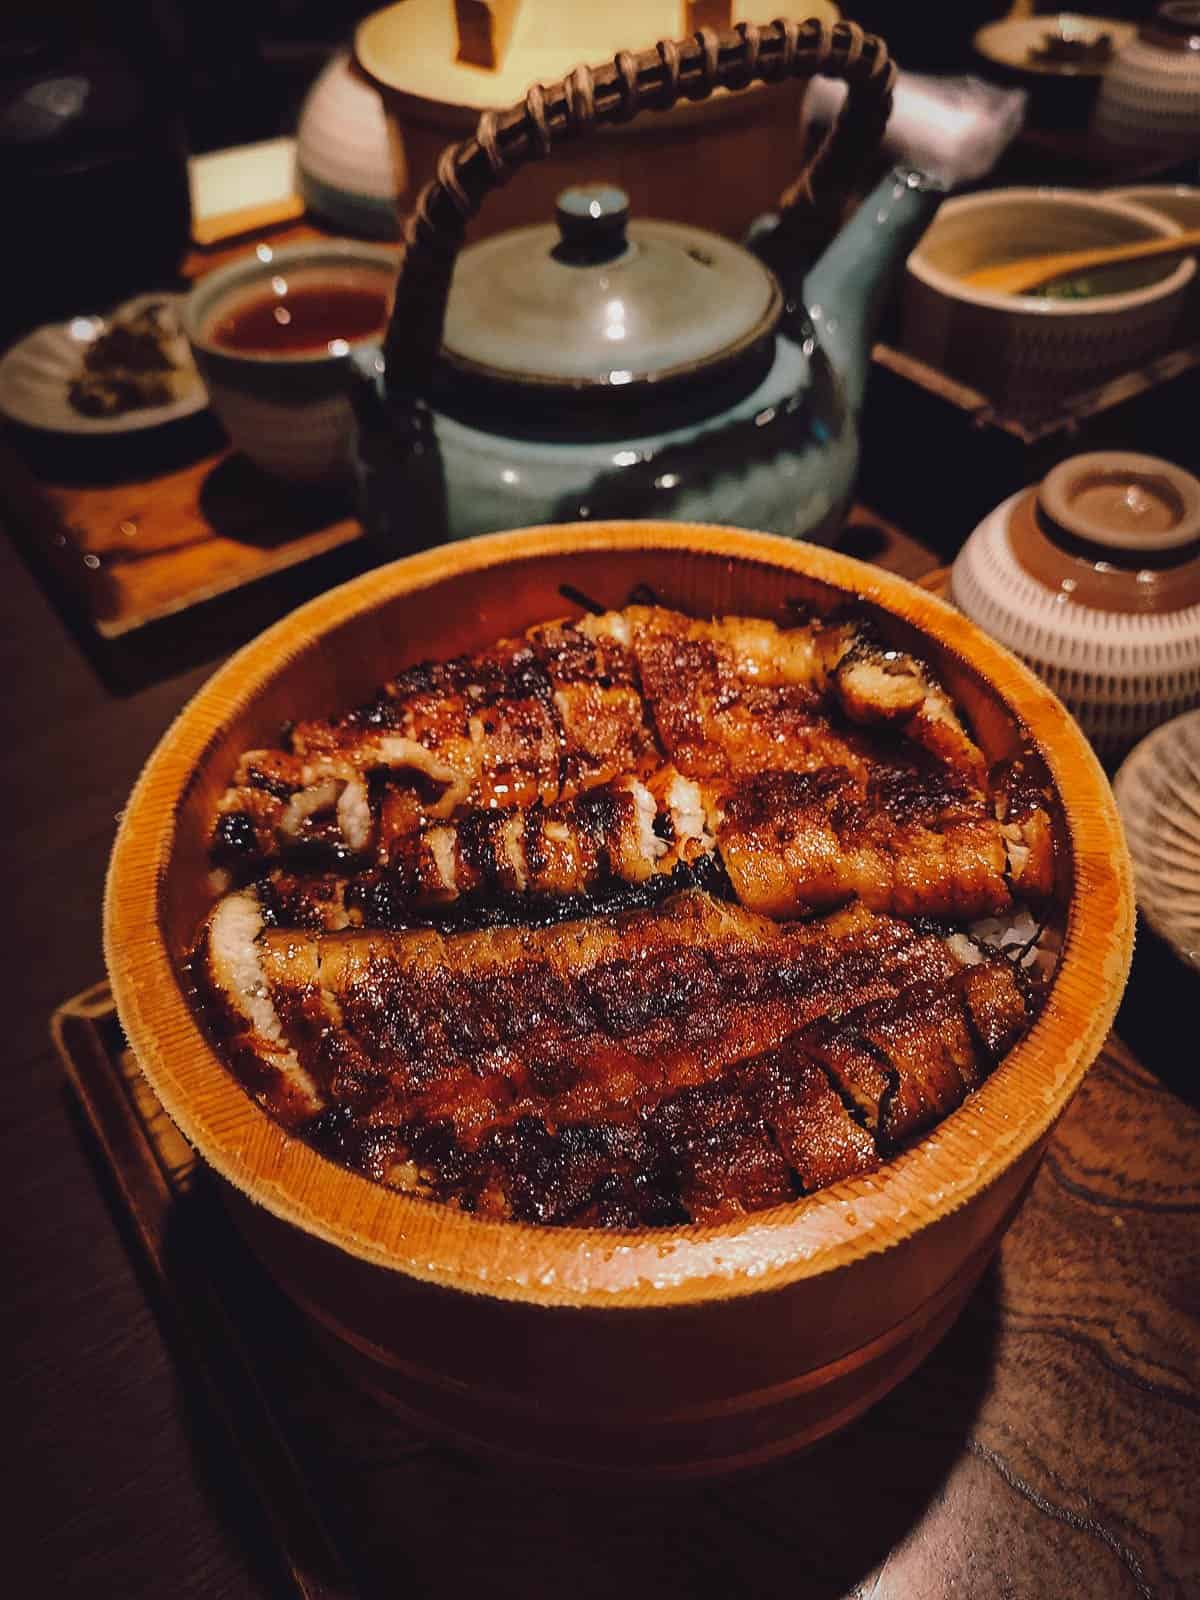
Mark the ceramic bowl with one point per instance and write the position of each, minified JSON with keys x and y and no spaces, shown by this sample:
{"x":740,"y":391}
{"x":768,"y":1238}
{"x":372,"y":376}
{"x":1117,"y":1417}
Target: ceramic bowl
{"x":1149,"y":101}
{"x":36,"y":374}
{"x":289,"y":413}
{"x":1180,"y":202}
{"x":1026,"y":45}
{"x":347,"y":169}
{"x":669,"y":1351}
{"x":1025,"y":352}
{"x":1158,"y":792}
{"x":1109,"y":616}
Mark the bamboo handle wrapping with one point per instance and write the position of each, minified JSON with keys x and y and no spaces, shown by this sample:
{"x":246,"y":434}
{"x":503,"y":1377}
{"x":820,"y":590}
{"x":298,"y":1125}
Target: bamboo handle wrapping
{"x":593,"y":97}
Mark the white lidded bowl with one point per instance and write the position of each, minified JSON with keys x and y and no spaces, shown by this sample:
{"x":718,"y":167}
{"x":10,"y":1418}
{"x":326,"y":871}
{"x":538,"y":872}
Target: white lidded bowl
{"x":1024,"y":352}
{"x":1108,"y":616}
{"x":1149,"y":98}
{"x":348,"y":168}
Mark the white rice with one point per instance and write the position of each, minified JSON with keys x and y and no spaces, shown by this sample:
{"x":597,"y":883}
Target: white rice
{"x":1019,"y":930}
{"x":612,"y":625}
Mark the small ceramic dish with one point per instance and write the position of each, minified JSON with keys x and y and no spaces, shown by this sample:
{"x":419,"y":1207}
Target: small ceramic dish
{"x":1062,"y":46}
{"x":1093,"y":579}
{"x":289,"y":411}
{"x":1025,"y":351}
{"x":1158,"y":794}
{"x":37,"y":372}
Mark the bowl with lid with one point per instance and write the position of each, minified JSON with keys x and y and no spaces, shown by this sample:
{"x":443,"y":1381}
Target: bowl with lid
{"x":1093,"y":578}
{"x":1149,"y":101}
{"x":1157,"y":788}
{"x":677,"y":1351}
{"x":347,"y":169}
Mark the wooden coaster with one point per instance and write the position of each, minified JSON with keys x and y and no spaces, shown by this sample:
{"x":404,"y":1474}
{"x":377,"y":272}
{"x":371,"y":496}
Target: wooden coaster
{"x":136,"y":551}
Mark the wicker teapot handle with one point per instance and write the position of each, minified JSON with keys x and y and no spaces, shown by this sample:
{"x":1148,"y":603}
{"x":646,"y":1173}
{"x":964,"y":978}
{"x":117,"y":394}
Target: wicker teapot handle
{"x":592,"y":97}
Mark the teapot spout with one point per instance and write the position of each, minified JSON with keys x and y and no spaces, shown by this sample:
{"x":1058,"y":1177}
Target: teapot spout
{"x":847,"y":288}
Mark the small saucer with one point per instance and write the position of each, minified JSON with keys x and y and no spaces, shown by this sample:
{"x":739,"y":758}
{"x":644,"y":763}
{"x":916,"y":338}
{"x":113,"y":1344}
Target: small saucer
{"x":37,"y":372}
{"x":1014,"y":43}
{"x":1158,"y":794}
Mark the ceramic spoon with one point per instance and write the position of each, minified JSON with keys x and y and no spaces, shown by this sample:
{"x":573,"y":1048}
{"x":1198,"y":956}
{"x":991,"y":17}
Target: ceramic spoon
{"x":1030,"y":272}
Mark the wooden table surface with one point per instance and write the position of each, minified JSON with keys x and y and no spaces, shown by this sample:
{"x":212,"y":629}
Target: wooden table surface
{"x":1050,"y":1447}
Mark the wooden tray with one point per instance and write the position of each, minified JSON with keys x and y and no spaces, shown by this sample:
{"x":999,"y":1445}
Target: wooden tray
{"x":152,"y":545}
{"x":1013,"y":1461}
{"x":969,"y":455}
{"x":1066,"y":416}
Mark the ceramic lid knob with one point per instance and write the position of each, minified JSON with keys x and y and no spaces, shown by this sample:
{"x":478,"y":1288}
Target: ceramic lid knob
{"x":598,"y":301}
{"x":591,"y":220}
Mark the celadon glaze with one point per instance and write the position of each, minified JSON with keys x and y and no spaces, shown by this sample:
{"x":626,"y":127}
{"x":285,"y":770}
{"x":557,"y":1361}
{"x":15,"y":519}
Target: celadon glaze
{"x":777,"y":452}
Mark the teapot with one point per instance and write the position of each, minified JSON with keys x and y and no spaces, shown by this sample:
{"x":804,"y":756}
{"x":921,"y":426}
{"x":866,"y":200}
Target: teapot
{"x":603,"y":367}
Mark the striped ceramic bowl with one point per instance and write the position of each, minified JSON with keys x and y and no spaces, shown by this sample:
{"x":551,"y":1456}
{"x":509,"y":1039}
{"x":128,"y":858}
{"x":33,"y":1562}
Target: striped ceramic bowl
{"x":289,"y":412}
{"x":1158,"y":793}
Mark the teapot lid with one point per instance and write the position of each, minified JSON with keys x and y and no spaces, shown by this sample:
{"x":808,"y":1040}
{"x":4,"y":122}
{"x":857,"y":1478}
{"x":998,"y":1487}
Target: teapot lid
{"x":597,"y":302}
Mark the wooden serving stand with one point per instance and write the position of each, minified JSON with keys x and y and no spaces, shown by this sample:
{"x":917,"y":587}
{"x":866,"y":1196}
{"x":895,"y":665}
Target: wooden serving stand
{"x":1011,"y":1462}
{"x":977,"y":453}
{"x":150,"y":546}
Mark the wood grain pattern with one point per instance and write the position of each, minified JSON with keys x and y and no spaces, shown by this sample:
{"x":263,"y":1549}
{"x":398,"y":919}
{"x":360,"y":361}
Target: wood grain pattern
{"x":137,"y":551}
{"x":1048,"y":1446}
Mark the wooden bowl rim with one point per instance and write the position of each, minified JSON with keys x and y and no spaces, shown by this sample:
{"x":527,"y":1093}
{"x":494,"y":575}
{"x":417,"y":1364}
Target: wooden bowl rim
{"x":593,"y":1267}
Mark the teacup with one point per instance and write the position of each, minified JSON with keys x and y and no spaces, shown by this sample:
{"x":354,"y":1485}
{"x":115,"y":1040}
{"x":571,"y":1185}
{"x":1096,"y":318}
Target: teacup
{"x":273,"y":335}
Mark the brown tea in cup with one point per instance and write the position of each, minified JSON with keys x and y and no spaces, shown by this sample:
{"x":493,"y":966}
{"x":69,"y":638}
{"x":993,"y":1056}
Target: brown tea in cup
{"x":304,"y":313}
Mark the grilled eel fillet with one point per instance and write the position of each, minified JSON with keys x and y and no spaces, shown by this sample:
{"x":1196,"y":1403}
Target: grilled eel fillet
{"x":537,"y":767}
{"x":689,"y":1062}
{"x":571,"y":706}
{"x":907,"y":840}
